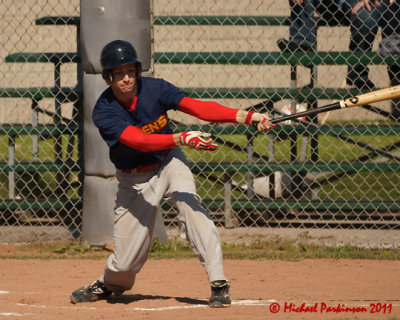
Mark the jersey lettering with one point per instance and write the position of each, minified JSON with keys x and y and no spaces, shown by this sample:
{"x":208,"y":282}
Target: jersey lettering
{"x":156,"y":125}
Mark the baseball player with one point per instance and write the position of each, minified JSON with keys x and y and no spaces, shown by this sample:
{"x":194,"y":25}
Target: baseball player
{"x":131,"y":115}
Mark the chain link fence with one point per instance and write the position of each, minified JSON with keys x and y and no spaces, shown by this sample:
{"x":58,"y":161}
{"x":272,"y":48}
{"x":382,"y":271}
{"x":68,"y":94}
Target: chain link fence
{"x":337,"y":170}
{"x":41,"y":134}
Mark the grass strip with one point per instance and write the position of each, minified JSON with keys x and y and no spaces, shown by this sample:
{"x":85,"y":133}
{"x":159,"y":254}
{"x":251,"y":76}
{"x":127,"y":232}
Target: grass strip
{"x":176,"y":249}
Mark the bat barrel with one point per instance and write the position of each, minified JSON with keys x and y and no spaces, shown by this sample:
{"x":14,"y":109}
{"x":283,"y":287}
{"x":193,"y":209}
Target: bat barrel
{"x":374,"y":96}
{"x":364,"y":99}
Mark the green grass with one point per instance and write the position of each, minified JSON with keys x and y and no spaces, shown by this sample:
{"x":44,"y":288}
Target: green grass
{"x":276,"y":250}
{"x":364,"y":185}
{"x":331,"y":149}
{"x":177,"y":249}
{"x":356,"y":186}
{"x":293,"y":252}
{"x":360,"y":185}
{"x":43,"y":183}
{"x":23,"y":148}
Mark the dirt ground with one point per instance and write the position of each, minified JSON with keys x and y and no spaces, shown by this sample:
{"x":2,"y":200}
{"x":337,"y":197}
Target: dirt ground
{"x":178,"y":289}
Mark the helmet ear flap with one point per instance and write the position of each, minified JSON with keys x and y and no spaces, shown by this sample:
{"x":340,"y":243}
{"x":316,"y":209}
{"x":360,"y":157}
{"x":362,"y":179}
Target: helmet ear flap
{"x":107,"y":76}
{"x":138,"y":70}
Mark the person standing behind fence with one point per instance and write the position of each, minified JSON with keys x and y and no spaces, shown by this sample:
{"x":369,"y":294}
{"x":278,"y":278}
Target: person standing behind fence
{"x":363,"y":16}
{"x":131,"y":115}
{"x":390,"y":46}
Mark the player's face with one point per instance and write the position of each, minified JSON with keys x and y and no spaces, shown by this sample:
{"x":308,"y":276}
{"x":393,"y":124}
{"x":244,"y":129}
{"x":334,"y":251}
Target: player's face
{"x":124,"y":78}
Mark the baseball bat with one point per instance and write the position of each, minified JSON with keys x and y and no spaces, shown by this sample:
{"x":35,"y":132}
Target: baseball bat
{"x":362,"y":99}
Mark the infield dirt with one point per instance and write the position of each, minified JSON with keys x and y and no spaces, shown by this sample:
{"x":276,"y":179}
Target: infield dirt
{"x":178,"y":289}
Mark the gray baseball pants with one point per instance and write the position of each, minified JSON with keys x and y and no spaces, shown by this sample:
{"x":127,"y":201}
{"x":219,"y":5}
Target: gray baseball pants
{"x":138,"y":198}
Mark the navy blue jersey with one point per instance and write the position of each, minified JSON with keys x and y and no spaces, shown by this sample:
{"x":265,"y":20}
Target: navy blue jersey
{"x":155,"y":98}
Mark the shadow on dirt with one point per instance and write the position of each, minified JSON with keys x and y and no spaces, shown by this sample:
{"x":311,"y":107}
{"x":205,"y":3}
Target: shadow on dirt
{"x":129,"y":298}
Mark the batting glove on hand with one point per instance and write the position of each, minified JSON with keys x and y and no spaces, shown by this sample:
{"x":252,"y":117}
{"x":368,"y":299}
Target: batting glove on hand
{"x":260,"y":121}
{"x":198,"y":140}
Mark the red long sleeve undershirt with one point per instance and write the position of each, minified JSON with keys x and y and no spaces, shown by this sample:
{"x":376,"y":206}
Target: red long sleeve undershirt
{"x":204,"y":110}
{"x":208,"y":110}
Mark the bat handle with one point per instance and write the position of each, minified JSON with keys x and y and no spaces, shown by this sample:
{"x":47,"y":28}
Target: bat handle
{"x":309,"y":112}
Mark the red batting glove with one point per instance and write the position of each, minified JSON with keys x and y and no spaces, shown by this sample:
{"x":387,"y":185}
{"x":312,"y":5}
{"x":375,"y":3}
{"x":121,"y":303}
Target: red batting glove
{"x":198,"y":140}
